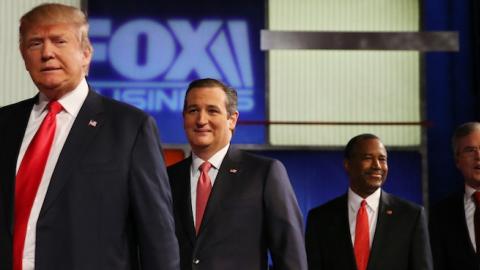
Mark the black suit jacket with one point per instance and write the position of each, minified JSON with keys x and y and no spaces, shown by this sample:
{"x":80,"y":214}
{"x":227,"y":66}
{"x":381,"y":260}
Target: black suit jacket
{"x":451,"y":245}
{"x":108,"y":205}
{"x":400,"y":242}
{"x":252,"y":208}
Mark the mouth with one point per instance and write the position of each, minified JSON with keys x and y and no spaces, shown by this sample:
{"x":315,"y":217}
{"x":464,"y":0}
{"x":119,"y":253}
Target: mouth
{"x":201,"y":131}
{"x":376,"y":175}
{"x":47,"y":69}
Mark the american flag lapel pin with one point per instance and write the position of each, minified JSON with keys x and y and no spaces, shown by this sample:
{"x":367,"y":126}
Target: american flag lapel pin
{"x":389,"y":212}
{"x":233,"y":170}
{"x":92,"y":123}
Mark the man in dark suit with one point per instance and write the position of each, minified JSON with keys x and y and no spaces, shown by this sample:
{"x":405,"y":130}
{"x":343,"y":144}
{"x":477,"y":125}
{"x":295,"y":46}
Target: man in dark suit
{"x":83,"y":184}
{"x":367,"y":228}
{"x":454,"y":221}
{"x":230,"y":215}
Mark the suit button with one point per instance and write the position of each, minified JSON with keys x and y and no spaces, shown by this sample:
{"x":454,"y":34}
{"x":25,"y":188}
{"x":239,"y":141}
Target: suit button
{"x":196,"y":261}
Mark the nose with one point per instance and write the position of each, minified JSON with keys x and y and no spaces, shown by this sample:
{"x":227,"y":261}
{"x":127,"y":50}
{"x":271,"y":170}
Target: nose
{"x":202,"y":118}
{"x":477,"y":153}
{"x":47,"y":51}
{"x":376,"y":163}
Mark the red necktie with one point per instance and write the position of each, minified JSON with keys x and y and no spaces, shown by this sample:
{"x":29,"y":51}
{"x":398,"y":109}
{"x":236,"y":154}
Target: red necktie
{"x":476,"y":219}
{"x":28,"y":179}
{"x":204,"y":187}
{"x":362,"y":237}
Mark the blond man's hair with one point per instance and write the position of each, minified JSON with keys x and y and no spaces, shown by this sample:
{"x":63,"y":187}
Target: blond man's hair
{"x":52,"y":13}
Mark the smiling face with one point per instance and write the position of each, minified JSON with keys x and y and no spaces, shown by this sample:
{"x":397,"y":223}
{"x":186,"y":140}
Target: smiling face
{"x":54,"y":57}
{"x":367,"y":167}
{"x":207,"y":123}
{"x":467,"y":158}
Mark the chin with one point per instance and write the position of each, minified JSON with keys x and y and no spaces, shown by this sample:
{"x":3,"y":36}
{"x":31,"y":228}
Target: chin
{"x":199,"y":144}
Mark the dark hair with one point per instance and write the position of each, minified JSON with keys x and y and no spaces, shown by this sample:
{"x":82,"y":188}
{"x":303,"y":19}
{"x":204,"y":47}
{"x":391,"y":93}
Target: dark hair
{"x":350,"y":147}
{"x":462,"y":131}
{"x":231,"y":94}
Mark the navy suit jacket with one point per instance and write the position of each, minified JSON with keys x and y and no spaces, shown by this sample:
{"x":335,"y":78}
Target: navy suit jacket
{"x":400,"y":242}
{"x":451,"y":245}
{"x":108,"y":205}
{"x":252,"y":209}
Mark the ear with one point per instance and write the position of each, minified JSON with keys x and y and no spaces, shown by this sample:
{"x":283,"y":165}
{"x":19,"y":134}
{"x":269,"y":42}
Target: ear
{"x":346,"y":165}
{"x":87,"y":58}
{"x":457,"y":162}
{"x":232,"y":120}
{"x":22,"y":52}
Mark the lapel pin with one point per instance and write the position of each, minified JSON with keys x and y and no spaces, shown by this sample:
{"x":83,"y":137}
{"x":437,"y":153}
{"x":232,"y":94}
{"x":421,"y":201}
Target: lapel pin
{"x":389,"y":212}
{"x":92,"y":123}
{"x":233,"y":170}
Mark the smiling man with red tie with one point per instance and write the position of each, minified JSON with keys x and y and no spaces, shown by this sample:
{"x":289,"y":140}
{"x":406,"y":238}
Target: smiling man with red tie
{"x":367,"y":228}
{"x":231,"y":207}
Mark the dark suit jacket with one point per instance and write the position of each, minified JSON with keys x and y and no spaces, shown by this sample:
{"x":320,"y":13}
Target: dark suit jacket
{"x":252,"y":209}
{"x":451,"y":244}
{"x":400,"y":242}
{"x":108,"y":205}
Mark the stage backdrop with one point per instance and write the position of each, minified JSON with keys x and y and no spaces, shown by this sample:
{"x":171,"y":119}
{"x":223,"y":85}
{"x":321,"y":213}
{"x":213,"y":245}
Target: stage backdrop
{"x":146,"y":53}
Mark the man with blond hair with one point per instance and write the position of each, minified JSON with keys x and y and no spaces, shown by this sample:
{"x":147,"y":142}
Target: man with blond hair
{"x":83,"y":182}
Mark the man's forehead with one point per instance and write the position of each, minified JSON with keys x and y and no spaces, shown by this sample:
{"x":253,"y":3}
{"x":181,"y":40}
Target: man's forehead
{"x":370,"y":146}
{"x":205,"y":89}
{"x":51,"y":28}
{"x":207,"y":93}
{"x":189,"y":105}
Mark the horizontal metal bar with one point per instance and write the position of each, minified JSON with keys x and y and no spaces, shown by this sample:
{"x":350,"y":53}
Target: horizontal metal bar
{"x":332,"y":123}
{"x":409,"y":41}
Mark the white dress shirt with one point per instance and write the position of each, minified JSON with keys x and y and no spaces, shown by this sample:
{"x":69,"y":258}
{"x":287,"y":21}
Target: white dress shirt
{"x":469,"y":205}
{"x":354,"y":202}
{"x":216,"y":161}
{"x":71,"y":103}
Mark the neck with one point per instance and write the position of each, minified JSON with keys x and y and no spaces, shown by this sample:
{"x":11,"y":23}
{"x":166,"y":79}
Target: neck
{"x":207,"y":152}
{"x":202,"y":155}
{"x":362,"y":194}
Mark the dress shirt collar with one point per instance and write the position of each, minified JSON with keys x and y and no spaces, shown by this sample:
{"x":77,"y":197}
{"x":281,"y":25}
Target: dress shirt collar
{"x":215,"y":160}
{"x":71,"y":101}
{"x":373,"y":200}
{"x":468,"y":193}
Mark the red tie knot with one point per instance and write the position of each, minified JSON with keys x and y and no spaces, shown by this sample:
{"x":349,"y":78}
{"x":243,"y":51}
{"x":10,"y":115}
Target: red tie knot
{"x":363,"y":203}
{"x":476,"y":198}
{"x":205,"y":167}
{"x":54,"y":107}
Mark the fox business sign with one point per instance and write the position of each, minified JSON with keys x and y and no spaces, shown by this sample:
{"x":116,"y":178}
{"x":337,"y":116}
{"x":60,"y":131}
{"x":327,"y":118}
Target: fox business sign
{"x":149,"y":63}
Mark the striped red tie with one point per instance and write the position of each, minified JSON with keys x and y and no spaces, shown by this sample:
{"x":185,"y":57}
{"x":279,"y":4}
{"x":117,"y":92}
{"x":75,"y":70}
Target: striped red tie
{"x":362,"y":238}
{"x":28,"y":179}
{"x":204,"y":187}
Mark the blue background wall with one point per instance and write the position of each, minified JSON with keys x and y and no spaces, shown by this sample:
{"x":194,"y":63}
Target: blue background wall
{"x":452,"y":97}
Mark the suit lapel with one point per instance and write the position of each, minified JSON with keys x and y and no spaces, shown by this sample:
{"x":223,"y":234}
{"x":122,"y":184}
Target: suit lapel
{"x":461,"y":222}
{"x":14,"y":133}
{"x":185,"y":204}
{"x":80,"y":135}
{"x":228,"y":172}
{"x":342,"y":228}
{"x":384,"y":221}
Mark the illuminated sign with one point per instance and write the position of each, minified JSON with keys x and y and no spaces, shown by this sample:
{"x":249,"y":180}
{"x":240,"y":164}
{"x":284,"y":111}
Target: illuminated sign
{"x":148,"y":63}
